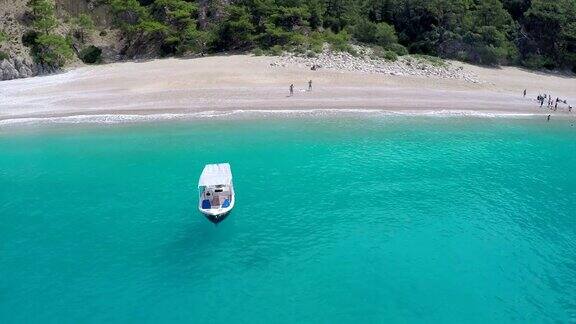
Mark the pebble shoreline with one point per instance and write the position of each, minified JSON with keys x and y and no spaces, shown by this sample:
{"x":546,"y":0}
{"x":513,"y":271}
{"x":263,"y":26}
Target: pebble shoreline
{"x":367,"y":63}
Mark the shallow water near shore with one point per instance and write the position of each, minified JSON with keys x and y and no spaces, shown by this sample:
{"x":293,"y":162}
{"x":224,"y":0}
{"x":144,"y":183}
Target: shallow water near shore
{"x":404,"y":219}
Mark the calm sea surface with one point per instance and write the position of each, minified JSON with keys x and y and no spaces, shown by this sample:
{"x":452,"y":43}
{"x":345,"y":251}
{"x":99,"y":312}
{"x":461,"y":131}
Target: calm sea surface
{"x":348,"y":220}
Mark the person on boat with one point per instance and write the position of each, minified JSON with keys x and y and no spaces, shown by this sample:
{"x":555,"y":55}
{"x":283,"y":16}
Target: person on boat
{"x":310,"y":85}
{"x":291,"y":89}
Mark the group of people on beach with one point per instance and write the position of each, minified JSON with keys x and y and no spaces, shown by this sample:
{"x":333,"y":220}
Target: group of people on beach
{"x":551,"y":104}
{"x":292,"y":88}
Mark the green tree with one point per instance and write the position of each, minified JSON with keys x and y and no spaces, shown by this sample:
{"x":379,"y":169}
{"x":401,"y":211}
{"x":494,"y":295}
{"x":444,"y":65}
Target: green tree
{"x":44,"y":15}
{"x":194,"y":40}
{"x":547,"y":24}
{"x":128,"y":13}
{"x":385,"y":35}
{"x":291,"y":18}
{"x":53,"y":50}
{"x":516,"y":8}
{"x":381,"y":34}
{"x":480,"y":31}
{"x":177,"y":13}
{"x":316,"y":8}
{"x":340,"y":13}
{"x":83,"y":24}
{"x":3,"y":36}
{"x":236,"y":31}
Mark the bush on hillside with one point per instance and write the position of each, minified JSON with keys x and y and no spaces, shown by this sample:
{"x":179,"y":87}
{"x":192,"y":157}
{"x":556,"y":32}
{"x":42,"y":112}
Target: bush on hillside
{"x":83,"y":25}
{"x":490,"y":55}
{"x":381,"y":53}
{"x":52,"y":50}
{"x":276,"y":50}
{"x":316,"y":42}
{"x":29,"y":38}
{"x":339,"y":42}
{"x":535,"y":61}
{"x":381,"y":34}
{"x":433,"y":60}
{"x":4,"y":56}
{"x":365,"y":31}
{"x":390,"y":56}
{"x":398,"y":49}
{"x":385,"y":34}
{"x":91,"y":55}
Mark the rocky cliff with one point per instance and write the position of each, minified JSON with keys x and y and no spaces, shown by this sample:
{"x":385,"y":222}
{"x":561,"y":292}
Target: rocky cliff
{"x":19,"y":64}
{"x":15,"y":21}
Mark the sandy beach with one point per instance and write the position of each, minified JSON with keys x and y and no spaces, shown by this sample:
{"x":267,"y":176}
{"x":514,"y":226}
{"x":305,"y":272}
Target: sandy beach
{"x":243,"y":82}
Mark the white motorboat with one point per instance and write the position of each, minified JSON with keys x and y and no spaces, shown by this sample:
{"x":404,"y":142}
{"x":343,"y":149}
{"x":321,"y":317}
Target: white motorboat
{"x":216,"y":192}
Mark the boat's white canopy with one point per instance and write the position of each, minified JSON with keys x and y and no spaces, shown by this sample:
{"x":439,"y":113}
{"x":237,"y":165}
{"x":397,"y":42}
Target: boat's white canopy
{"x":215,"y":174}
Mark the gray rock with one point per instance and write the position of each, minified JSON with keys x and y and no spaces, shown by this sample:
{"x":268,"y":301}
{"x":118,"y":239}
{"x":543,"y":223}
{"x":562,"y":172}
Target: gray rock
{"x":9,"y":72}
{"x":369,"y":64}
{"x":44,"y":69}
{"x":24,"y":68}
{"x":15,"y":68}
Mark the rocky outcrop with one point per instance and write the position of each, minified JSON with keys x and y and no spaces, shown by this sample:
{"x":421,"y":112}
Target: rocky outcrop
{"x":13,"y":22}
{"x":17,"y":68}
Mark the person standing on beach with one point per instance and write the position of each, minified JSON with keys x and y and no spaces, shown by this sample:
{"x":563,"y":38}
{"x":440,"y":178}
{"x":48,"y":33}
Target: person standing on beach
{"x":524,"y":93}
{"x":310,"y":85}
{"x":291,"y":89}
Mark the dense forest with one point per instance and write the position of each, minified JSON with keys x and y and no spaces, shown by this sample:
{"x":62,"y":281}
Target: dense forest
{"x":532,"y":33}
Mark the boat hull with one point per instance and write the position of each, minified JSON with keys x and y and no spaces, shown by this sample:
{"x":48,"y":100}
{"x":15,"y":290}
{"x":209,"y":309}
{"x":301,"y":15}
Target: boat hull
{"x":216,"y":218}
{"x":217,"y":215}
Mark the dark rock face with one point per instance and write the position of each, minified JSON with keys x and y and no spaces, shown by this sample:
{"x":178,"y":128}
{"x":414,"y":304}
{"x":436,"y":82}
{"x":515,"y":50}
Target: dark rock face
{"x":17,"y":68}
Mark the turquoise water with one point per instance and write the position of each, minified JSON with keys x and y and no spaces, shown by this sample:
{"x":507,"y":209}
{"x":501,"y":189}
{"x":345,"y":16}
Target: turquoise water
{"x":337,"y":220}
